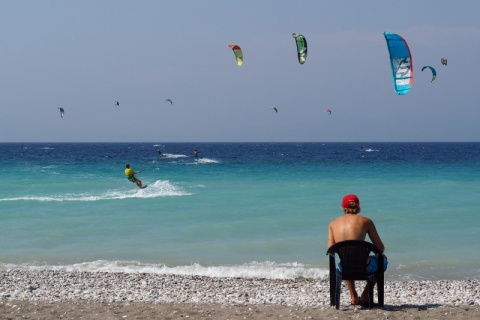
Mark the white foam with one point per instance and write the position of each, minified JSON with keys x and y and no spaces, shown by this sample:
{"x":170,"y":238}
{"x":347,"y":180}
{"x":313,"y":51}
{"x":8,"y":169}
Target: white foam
{"x":267,"y":270}
{"x":160,"y":188}
{"x":173,"y":156}
{"x":206,"y":160}
{"x":51,"y":166}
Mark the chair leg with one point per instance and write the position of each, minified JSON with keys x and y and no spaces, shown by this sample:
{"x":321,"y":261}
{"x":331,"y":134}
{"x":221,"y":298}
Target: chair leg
{"x":338,"y":288}
{"x":380,"y":290}
{"x":333,"y":286}
{"x":333,"y":277}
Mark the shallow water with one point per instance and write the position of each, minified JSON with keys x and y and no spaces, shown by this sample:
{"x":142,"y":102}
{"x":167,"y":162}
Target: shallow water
{"x":244,"y":209}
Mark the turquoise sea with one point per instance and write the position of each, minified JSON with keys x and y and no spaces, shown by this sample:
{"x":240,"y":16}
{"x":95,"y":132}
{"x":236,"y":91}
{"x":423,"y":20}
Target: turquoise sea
{"x":243,"y":209}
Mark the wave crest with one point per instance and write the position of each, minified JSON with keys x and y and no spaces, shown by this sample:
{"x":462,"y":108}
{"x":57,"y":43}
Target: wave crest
{"x":160,"y":188}
{"x":265,"y":270}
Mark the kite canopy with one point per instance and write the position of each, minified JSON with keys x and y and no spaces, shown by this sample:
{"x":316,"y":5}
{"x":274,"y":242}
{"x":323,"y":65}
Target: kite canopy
{"x":400,"y":62}
{"x":434,"y":73}
{"x":62,"y":112}
{"x":301,"y":47}
{"x":171,"y":102}
{"x":328,"y":111}
{"x":238,"y":53}
{"x":117,"y":103}
{"x":275,"y":108}
{"x":443,"y":61}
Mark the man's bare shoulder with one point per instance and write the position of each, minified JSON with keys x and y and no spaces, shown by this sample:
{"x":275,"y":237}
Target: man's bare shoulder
{"x":351,"y":218}
{"x":365,"y":218}
{"x":336,"y":220}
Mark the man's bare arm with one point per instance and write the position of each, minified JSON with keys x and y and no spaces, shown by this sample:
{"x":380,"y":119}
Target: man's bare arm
{"x":374,"y":237}
{"x":331,"y":240}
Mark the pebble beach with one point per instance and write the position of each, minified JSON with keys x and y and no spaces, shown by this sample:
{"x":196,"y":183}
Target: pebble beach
{"x":50,"y":294}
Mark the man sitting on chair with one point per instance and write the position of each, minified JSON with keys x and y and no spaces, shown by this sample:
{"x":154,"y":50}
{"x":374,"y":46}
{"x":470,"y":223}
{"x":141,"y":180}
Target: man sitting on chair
{"x":352,"y":226}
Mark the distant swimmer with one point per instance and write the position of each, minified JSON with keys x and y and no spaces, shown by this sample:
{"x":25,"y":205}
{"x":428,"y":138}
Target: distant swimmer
{"x":362,"y":148}
{"x":131,"y":176}
{"x":195,"y":154}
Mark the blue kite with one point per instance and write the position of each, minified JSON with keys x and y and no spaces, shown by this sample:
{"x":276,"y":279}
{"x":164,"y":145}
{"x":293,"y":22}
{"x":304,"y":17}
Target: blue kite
{"x":400,"y":62}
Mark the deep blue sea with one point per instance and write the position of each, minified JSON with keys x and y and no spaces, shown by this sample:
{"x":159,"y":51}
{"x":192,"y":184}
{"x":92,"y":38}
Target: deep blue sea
{"x":243,"y":209}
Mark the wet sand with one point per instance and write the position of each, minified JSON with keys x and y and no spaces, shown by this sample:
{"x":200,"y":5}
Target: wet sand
{"x":139,"y":310}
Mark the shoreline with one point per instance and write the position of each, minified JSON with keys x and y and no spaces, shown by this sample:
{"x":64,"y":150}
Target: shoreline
{"x":105,"y":295}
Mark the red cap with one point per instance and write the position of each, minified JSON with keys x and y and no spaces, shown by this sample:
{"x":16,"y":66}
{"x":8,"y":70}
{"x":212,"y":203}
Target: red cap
{"x":350,"y":201}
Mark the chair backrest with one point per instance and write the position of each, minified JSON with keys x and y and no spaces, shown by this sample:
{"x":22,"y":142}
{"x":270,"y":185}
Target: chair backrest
{"x":353,"y":255}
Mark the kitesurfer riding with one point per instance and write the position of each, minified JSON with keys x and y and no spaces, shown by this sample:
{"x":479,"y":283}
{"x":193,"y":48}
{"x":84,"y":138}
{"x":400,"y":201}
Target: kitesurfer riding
{"x":159,"y":150}
{"x":195,"y":154}
{"x":131,"y":176}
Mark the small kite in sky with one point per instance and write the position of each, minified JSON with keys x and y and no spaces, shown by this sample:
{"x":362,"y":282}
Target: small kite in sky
{"x":434,"y":73}
{"x":62,"y":112}
{"x":443,"y":61}
{"x":238,"y":54}
{"x":117,"y":103}
{"x":170,"y":100}
{"x":328,"y":111}
{"x":301,"y":47}
{"x":275,"y":108}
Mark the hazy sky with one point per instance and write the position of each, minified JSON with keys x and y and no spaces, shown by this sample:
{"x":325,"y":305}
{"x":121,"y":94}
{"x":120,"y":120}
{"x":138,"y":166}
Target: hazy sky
{"x":84,"y":55}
